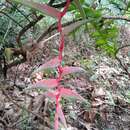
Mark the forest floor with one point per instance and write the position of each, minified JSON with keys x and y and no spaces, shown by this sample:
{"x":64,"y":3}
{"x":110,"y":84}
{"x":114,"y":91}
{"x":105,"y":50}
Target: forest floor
{"x":105,"y":86}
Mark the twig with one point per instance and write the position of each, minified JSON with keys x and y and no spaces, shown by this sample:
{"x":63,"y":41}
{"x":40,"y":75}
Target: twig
{"x":121,"y":48}
{"x":51,"y":37}
{"x":117,"y":18}
{"x":50,"y":29}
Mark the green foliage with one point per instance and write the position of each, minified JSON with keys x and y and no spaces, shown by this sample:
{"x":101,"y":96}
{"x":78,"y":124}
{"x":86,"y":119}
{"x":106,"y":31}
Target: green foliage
{"x":79,"y":6}
{"x":103,"y":31}
{"x":105,"y":36}
{"x":92,"y":13}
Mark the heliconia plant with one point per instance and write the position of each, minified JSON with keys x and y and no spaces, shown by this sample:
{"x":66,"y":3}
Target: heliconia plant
{"x":56,"y":89}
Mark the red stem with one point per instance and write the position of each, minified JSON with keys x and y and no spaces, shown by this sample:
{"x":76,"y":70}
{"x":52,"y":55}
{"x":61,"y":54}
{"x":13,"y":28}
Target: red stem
{"x":61,"y":47}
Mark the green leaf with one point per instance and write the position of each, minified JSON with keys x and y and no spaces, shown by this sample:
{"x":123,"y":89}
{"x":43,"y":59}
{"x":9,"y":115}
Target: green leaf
{"x":68,"y":29}
{"x":79,"y":6}
{"x":101,"y":42}
{"x":72,"y":7}
{"x":90,"y":12}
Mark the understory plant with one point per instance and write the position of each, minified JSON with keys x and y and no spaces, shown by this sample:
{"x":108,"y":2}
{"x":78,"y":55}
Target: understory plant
{"x":55,"y":89}
{"x":59,"y":90}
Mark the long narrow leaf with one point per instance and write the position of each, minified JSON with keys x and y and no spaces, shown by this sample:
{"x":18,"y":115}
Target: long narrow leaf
{"x":55,"y":62}
{"x":71,"y":69}
{"x":45,"y":9}
{"x":68,"y":92}
{"x":68,"y":29}
{"x":46,"y":83}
